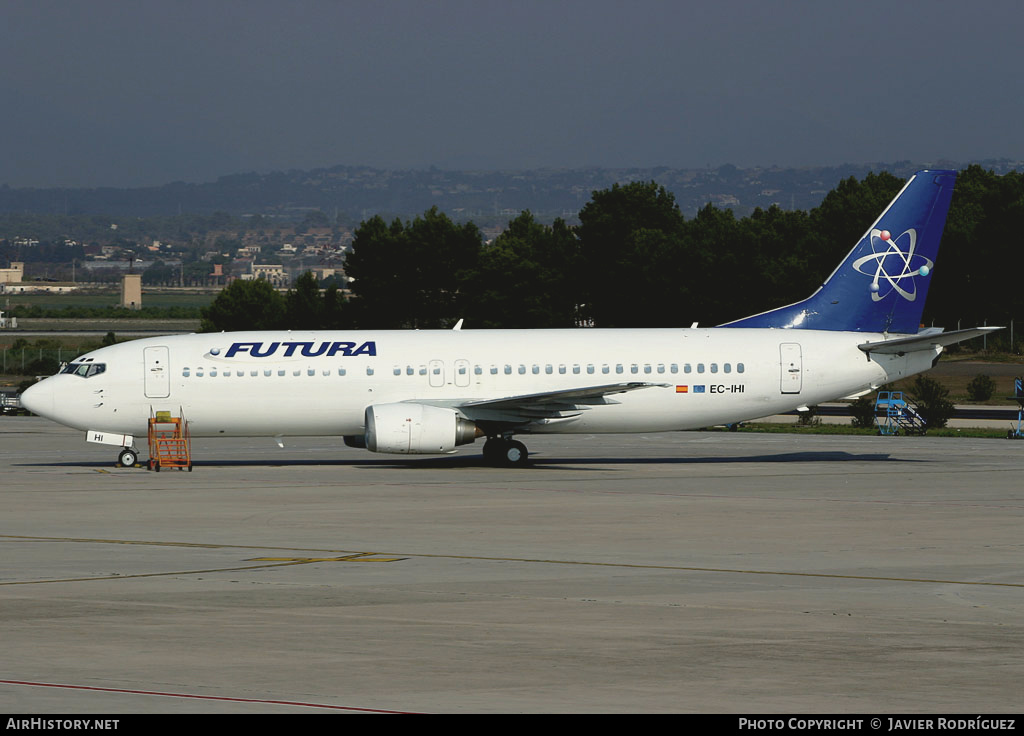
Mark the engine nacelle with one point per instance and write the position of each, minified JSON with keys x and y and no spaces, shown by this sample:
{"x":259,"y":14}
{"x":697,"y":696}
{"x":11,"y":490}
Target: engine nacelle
{"x":416,"y":429}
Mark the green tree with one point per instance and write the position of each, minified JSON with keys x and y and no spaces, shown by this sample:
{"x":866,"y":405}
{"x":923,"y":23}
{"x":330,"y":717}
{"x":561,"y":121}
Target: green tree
{"x":619,"y":261}
{"x":844,"y":215}
{"x":981,"y":387}
{"x":411,"y":275}
{"x":863,"y":410}
{"x":337,"y":315}
{"x":244,"y":305}
{"x":770,"y":268}
{"x":527,"y":277}
{"x":975,"y":277}
{"x":932,"y":399}
{"x":304,"y":308}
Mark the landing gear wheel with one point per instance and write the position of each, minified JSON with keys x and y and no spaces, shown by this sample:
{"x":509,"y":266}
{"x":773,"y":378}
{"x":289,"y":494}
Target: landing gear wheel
{"x":127,"y":458}
{"x":501,"y":452}
{"x":515,"y":454}
{"x":494,"y":449}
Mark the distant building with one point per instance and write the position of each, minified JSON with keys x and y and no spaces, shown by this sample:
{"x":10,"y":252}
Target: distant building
{"x":37,"y":287}
{"x":131,"y":291}
{"x":326,"y":273}
{"x":272,"y":272}
{"x":12,"y":275}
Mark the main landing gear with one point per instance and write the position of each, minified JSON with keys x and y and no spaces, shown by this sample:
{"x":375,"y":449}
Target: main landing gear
{"x":505,"y":452}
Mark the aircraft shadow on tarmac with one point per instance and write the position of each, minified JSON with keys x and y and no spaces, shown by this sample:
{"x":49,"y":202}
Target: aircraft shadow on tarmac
{"x":537,"y":462}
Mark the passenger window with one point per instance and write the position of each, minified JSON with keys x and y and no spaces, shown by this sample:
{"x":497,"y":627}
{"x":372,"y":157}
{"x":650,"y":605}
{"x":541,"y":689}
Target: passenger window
{"x":341,"y":372}
{"x":522,"y":370}
{"x":575,"y":370}
{"x":369,"y":371}
{"x":687,"y":368}
{"x":185,"y":372}
{"x":727,"y":368}
{"x":739,"y":367}
{"x":661,"y":367}
{"x":714,"y":367}
{"x":674,"y":368}
{"x":590,"y":368}
{"x":700,"y":367}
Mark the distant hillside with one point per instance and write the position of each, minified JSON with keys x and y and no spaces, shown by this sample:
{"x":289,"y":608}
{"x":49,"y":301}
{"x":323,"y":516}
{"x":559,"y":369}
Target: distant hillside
{"x":352,"y":194}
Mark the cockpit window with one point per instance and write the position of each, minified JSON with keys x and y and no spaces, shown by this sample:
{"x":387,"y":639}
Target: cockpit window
{"x":85,"y":370}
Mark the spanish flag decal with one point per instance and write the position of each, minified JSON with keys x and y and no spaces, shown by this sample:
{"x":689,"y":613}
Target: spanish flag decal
{"x":682,"y":389}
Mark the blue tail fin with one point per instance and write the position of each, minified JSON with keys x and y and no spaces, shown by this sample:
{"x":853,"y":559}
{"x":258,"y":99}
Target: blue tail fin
{"x":882,"y":283}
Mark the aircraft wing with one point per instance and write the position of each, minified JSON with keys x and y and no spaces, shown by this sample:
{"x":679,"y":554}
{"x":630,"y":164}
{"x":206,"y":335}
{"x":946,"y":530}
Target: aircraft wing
{"x":590,"y":394}
{"x":925,"y":341}
{"x":548,"y":405}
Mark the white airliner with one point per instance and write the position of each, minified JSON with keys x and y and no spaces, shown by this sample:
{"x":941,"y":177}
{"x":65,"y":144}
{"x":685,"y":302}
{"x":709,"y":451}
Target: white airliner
{"x":425,"y":392}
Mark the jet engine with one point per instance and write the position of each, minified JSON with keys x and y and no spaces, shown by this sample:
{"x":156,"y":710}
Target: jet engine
{"x":416,"y":429}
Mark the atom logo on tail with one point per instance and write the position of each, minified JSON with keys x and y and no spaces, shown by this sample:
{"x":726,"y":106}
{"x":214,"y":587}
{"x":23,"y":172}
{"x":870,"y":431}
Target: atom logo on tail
{"x":895,"y":265}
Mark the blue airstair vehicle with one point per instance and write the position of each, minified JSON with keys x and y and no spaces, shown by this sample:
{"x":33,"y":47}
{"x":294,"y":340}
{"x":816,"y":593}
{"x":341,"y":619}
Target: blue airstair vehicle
{"x":1018,"y":394}
{"x":895,"y":414}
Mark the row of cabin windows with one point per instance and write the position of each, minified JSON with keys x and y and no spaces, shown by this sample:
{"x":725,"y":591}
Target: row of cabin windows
{"x":562,"y":369}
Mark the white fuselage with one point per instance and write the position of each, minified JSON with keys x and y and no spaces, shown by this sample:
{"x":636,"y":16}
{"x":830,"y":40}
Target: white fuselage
{"x":320,"y":383}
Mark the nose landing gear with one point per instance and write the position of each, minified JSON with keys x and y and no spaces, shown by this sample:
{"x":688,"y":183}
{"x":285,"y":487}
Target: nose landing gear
{"x":127,"y":458}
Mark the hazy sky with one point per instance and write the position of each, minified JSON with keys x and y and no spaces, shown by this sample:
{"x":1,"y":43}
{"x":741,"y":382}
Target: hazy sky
{"x":137,"y":92}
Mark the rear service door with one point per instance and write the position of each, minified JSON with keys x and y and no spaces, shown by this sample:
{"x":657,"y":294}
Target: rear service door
{"x":792,"y":367}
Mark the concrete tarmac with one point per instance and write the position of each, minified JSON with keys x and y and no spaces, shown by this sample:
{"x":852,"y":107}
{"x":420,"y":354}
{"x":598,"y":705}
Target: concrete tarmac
{"x":686,"y":572}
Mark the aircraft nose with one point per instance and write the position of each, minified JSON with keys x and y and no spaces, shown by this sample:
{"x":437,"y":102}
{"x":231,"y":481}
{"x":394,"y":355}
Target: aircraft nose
{"x":38,"y":399}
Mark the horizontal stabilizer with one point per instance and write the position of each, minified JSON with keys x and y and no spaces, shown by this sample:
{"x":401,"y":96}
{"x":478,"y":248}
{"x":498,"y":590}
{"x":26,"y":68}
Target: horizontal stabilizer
{"x":924,"y":341}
